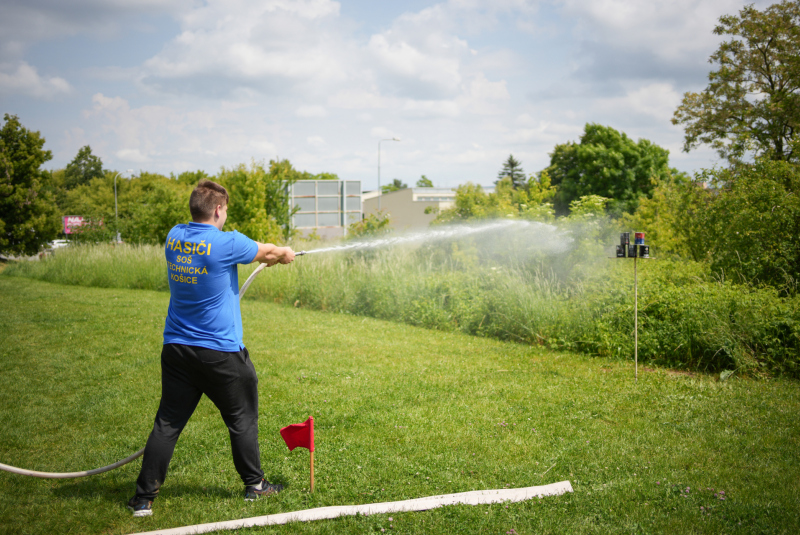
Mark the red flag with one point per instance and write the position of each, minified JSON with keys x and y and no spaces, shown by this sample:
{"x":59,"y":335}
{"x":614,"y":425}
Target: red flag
{"x":299,"y":435}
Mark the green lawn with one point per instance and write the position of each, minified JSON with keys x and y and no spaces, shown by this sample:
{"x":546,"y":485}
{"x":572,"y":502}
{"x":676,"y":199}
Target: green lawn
{"x":401,"y":412}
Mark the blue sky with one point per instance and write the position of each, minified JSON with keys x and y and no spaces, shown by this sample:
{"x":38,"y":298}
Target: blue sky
{"x":175,"y":85}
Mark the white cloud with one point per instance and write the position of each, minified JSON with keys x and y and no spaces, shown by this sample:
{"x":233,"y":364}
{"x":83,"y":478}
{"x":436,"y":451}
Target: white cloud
{"x":316,"y":141}
{"x":481,"y":96}
{"x":638,"y":39}
{"x":25,"y":80}
{"x":406,"y":68}
{"x":384,"y":133}
{"x":657,"y":99}
{"x":685,"y":24}
{"x":272,"y":47}
{"x":357,"y":97}
{"x":306,"y":50}
{"x":25,"y":22}
{"x":132,"y":155}
{"x":644,"y":103}
{"x":431,"y":108}
{"x":421,"y":55}
{"x":311,"y":111}
{"x":174,"y":138}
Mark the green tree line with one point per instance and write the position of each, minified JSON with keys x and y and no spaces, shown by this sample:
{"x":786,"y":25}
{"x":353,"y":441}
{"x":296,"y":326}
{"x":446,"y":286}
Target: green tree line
{"x":147,"y":205}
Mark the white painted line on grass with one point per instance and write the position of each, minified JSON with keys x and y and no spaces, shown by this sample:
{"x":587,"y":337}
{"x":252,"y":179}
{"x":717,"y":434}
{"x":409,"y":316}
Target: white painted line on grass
{"x":477,"y":497}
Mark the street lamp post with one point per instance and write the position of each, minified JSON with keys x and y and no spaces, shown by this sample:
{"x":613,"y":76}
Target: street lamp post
{"x":379,"y":169}
{"x":116,"y":213}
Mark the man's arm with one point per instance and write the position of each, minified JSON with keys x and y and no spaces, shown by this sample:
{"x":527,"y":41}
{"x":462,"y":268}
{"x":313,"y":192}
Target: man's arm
{"x":272,"y":254}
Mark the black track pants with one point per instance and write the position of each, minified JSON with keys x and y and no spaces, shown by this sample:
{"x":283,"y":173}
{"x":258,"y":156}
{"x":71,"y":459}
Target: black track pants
{"x":229,"y":380}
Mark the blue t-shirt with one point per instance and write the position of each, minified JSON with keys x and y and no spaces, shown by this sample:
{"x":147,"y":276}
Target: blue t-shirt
{"x":204,"y":286}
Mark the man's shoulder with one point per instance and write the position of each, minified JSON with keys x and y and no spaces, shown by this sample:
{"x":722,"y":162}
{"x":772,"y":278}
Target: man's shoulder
{"x":179,"y":229}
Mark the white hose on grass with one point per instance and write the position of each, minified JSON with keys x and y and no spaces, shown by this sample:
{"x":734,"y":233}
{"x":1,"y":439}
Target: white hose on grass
{"x":70,"y":475}
{"x":126,"y":460}
{"x":476,"y":497}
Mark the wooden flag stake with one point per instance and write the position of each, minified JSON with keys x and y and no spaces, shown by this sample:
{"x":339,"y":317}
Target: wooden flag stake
{"x":312,"y":471}
{"x":312,"y":456}
{"x":301,"y":436}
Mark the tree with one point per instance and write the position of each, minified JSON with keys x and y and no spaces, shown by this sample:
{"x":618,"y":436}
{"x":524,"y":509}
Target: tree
{"x":259,"y":205}
{"x":28,"y":213}
{"x":752,"y":227}
{"x":672,"y":217}
{"x":247,"y":209}
{"x":606,"y":163}
{"x":190,"y":178}
{"x":540,"y":188}
{"x":530,"y":202}
{"x":83,"y":168}
{"x":395,"y":185}
{"x":424,"y":182}
{"x":512,"y":168}
{"x":471,"y":203}
{"x":751,"y":103}
{"x":95,"y":203}
{"x":370,"y":226}
{"x":150,"y":205}
{"x":323,"y":176}
{"x":276,"y":201}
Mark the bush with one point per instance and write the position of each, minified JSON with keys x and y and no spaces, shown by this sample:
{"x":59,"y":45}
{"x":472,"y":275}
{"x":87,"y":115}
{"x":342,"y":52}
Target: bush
{"x":509,"y":285}
{"x":754,"y":224}
{"x":690,"y":320}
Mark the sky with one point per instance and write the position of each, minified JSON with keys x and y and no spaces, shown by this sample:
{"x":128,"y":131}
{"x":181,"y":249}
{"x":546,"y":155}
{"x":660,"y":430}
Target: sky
{"x":169,"y":86}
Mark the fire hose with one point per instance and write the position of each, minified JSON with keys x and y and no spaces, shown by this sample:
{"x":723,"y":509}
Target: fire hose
{"x":126,"y":460}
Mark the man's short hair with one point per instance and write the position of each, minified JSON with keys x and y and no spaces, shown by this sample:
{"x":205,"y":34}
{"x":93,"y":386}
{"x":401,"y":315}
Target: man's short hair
{"x":205,"y":198}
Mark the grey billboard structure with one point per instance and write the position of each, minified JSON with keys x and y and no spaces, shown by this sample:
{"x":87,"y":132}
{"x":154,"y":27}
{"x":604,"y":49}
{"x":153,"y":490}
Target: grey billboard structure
{"x":325,"y":206}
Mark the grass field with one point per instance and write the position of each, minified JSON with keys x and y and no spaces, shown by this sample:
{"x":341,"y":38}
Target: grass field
{"x":401,"y":412}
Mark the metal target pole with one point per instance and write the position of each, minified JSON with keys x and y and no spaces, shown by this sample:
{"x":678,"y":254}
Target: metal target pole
{"x":626,"y":250}
{"x":635,"y":320}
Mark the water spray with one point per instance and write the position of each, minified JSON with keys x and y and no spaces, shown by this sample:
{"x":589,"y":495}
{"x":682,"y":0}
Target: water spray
{"x":436,"y":234}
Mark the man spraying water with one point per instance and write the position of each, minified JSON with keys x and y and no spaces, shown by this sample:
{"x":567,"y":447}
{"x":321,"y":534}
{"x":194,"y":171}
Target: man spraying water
{"x":203,"y":351}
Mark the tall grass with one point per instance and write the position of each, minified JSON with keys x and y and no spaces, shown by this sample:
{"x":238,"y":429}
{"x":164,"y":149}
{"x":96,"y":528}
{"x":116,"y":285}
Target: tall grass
{"x":578,"y":299}
{"x":135,"y":267}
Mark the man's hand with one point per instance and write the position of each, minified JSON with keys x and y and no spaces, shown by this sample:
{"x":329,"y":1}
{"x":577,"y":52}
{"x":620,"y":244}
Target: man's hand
{"x":272,"y":254}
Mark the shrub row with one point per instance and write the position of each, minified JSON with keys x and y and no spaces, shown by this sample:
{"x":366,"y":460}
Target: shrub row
{"x":578,"y":300}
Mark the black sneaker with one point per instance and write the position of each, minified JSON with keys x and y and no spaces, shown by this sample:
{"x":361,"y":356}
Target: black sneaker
{"x":140,"y":506}
{"x":263,"y":489}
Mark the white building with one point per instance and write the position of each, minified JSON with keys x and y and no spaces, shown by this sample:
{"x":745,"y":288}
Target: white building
{"x":406,"y":207}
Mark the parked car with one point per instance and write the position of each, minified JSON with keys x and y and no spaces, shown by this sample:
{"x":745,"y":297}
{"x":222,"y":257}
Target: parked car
{"x":57,"y":244}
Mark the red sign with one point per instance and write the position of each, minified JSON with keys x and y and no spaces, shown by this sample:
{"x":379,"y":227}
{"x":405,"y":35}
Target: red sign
{"x":72,"y":223}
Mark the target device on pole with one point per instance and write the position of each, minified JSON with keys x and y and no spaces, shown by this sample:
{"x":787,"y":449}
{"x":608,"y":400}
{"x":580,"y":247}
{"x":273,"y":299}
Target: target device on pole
{"x":636,"y":250}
